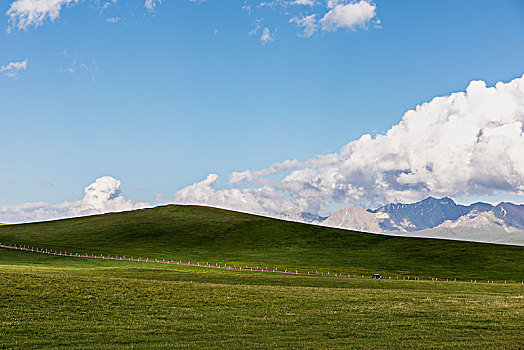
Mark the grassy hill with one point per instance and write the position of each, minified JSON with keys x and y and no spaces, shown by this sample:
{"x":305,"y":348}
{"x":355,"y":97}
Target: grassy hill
{"x":203,"y":234}
{"x":51,"y":301}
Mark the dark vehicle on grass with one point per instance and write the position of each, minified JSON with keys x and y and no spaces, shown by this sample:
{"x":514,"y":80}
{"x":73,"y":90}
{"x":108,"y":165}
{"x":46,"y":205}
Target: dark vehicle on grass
{"x":376,"y":276}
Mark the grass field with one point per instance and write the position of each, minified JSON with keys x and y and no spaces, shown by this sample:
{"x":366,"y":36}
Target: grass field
{"x":202,"y":234}
{"x":51,"y":301}
{"x":79,"y":303}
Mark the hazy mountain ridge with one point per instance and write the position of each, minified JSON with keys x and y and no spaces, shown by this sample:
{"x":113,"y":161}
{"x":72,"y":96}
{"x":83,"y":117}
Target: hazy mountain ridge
{"x":298,"y":216}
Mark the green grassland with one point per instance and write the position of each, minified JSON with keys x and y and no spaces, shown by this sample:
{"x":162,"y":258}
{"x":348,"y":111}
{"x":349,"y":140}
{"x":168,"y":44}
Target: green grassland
{"x":202,"y":234}
{"x":51,"y":301}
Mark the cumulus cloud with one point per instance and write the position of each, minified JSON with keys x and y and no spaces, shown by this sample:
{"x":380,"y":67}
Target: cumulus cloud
{"x":349,"y":16}
{"x":24,"y":14}
{"x":102,"y":196}
{"x":465,"y":144}
{"x":253,"y":200}
{"x":13,"y":69}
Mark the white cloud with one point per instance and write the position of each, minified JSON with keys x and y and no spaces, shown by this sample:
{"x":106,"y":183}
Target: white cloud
{"x":465,"y":144}
{"x":253,"y":200}
{"x":24,"y":14}
{"x":328,"y":15}
{"x":151,"y":4}
{"x":349,"y":16}
{"x":12,"y":69}
{"x":309,"y":23}
{"x":102,"y":196}
{"x":304,"y":2}
{"x":267,"y":36}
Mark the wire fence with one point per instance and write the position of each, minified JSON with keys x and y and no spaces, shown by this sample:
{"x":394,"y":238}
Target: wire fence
{"x":224,"y":267}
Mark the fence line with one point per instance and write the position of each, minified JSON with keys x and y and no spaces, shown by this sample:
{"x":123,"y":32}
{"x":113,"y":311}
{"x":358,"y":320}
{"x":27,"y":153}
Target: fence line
{"x":170,"y":262}
{"x":216,"y":266}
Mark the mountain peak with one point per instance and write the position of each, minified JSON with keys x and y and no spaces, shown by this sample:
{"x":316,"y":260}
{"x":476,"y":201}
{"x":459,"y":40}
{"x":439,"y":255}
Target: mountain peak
{"x":443,"y":200}
{"x":439,"y":216}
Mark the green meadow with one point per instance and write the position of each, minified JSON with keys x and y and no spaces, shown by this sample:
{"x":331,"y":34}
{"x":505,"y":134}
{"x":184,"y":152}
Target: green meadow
{"x":51,"y":301}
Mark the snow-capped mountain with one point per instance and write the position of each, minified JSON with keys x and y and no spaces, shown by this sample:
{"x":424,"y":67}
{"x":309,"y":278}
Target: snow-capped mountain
{"x":439,"y":218}
{"x":478,"y":227}
{"x":425,"y":214}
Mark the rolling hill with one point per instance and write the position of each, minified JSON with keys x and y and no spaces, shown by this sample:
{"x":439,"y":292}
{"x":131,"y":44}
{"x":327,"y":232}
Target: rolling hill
{"x":195,"y":233}
{"x":95,"y":303}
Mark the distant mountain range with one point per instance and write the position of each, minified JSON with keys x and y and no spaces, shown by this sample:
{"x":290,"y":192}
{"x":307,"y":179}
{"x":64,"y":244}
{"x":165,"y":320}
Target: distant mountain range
{"x":432,"y":217}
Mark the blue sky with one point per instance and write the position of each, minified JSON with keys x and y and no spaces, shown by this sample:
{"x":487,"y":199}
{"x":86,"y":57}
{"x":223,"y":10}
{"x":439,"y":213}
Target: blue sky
{"x":164,"y":97}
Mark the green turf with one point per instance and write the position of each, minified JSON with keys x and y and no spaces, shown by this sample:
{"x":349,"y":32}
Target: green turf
{"x":51,"y":302}
{"x":77,"y":303}
{"x":202,"y":234}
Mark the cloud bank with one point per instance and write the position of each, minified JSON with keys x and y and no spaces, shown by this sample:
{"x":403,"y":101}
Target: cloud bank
{"x":468,"y":143}
{"x":102,"y":196}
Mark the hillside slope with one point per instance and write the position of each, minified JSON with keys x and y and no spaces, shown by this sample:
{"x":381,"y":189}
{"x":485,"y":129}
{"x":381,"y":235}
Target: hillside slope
{"x":220,"y":236}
